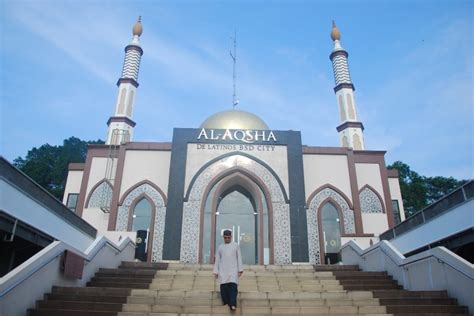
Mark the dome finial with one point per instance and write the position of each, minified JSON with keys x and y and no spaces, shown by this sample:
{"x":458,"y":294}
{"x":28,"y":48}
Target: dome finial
{"x":137,"y":28}
{"x":335,"y":34}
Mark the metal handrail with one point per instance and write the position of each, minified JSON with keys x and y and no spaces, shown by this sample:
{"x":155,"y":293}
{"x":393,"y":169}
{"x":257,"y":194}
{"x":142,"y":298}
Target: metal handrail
{"x":423,"y":212}
{"x":59,"y":253}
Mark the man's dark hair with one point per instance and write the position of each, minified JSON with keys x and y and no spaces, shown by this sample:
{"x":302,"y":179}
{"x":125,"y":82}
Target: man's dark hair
{"x":227,"y":233}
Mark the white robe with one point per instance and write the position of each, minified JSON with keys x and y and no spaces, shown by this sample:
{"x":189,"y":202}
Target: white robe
{"x":228,"y":263}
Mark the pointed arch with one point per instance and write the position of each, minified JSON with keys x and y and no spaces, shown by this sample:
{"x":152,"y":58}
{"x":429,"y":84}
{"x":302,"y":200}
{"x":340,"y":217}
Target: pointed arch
{"x":345,"y":142}
{"x":230,"y":154}
{"x":151,"y":236}
{"x":138,"y":184}
{"x":320,"y":196}
{"x":370,"y":200}
{"x":350,"y":106}
{"x":251,"y":183}
{"x":340,"y":214}
{"x":191,"y":207}
{"x":154,"y":194}
{"x":330,"y":186}
{"x":101,"y":193}
{"x":357,"y":142}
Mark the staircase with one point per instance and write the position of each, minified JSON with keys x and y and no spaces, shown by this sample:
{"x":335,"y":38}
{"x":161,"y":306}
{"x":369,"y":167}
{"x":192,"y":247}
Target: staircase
{"x":157,"y":289}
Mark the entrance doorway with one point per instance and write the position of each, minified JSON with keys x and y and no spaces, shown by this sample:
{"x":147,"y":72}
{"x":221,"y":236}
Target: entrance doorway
{"x":331,"y":233}
{"x":236,"y":202}
{"x":237,"y":212}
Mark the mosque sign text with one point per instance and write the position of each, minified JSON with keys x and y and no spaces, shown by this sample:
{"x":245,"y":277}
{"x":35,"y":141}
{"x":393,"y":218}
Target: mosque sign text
{"x":234,"y":147}
{"x":246,"y":136}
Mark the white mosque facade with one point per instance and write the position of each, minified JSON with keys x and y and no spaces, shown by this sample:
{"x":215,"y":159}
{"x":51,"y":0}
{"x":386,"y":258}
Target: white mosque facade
{"x":285,"y":202}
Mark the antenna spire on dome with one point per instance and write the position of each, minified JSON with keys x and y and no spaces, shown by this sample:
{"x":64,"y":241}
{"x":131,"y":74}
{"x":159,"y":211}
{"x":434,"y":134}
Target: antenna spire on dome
{"x":235,"y":101}
{"x":137,"y":28}
{"x":335,"y":34}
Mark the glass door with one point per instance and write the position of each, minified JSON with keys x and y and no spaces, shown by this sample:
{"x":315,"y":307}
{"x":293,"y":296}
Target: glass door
{"x":236,"y":212}
{"x":331,"y":233}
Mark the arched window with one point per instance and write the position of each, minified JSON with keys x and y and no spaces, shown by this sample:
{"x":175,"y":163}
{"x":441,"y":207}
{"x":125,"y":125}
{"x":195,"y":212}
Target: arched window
{"x":345,"y":142}
{"x":130,"y":103}
{"x":350,"y":107}
{"x":141,"y":218}
{"x":330,"y":222}
{"x":121,"y":105}
{"x":357,"y":143}
{"x":341,"y":109}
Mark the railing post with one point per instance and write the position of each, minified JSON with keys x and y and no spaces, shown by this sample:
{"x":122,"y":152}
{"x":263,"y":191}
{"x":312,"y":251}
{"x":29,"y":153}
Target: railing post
{"x":463,"y":193}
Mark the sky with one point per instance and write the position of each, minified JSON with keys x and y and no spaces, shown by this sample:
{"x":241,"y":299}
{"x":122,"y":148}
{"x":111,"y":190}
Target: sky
{"x":411,"y":63}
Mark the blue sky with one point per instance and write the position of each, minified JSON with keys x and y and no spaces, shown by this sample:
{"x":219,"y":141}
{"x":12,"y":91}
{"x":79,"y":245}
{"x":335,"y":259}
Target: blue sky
{"x":411,"y":63}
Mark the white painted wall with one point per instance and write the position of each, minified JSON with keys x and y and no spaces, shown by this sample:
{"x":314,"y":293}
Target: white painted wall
{"x":447,"y":224}
{"x":97,"y":218}
{"x":97,"y":172}
{"x":369,"y":173}
{"x":434,"y":269}
{"x":396,"y":194}
{"x":73,"y":183}
{"x":374,"y":223}
{"x":27,"y":283}
{"x":146,"y":165}
{"x":22,"y":206}
{"x":322,"y":169}
{"x":277,"y":159}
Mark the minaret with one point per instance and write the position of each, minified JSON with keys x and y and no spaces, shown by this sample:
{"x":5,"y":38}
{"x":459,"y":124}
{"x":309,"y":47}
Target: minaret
{"x":121,"y":124}
{"x":350,"y":129}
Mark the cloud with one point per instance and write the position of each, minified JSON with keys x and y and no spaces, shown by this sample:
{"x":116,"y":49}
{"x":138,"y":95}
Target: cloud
{"x":77,"y":33}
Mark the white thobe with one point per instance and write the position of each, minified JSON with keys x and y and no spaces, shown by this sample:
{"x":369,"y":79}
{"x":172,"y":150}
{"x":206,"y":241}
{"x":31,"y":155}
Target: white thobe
{"x":228,"y":263}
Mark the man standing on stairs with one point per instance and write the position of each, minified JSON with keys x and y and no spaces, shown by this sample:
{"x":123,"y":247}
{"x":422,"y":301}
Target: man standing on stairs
{"x":228,"y":268}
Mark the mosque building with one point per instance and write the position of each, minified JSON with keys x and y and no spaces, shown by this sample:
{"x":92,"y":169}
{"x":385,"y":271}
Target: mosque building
{"x":284,"y":201}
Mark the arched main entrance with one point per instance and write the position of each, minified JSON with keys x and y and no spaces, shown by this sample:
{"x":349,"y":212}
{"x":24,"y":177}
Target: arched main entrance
{"x":200,"y":205}
{"x":236,"y":203}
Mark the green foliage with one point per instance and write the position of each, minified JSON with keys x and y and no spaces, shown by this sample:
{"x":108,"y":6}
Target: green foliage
{"x":420,"y":191}
{"x":48,"y":165}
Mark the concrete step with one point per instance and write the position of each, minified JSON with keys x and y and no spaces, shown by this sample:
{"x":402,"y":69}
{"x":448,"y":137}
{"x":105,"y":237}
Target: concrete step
{"x":405,"y":293}
{"x":358,"y":272}
{"x":76,"y":305}
{"x":86,"y":298}
{"x":426,"y":309}
{"x":162,"y":289}
{"x":121,"y":279}
{"x":67,"y":312}
{"x":367,"y":281}
{"x":118,"y":285}
{"x":371,"y":287}
{"x":325,"y":267}
{"x":143,"y":265}
{"x":147,"y":273}
{"x":92,"y":290}
{"x":417,"y":301}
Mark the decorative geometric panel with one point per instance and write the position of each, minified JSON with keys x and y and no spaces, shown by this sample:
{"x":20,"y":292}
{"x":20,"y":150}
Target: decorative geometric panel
{"x":370,"y":202}
{"x":102,"y":196}
{"x":159,"y":221}
{"x":341,"y":69}
{"x":192,"y":208}
{"x":312,"y":220}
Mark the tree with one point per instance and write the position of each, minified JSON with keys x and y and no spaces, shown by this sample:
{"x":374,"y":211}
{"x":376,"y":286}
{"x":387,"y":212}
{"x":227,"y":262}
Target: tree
{"x":419,"y":191}
{"x":48,"y":165}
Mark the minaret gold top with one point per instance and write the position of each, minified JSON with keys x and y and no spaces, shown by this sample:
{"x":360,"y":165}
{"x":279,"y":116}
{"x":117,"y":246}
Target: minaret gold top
{"x":137,"y":28}
{"x":335,"y":34}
